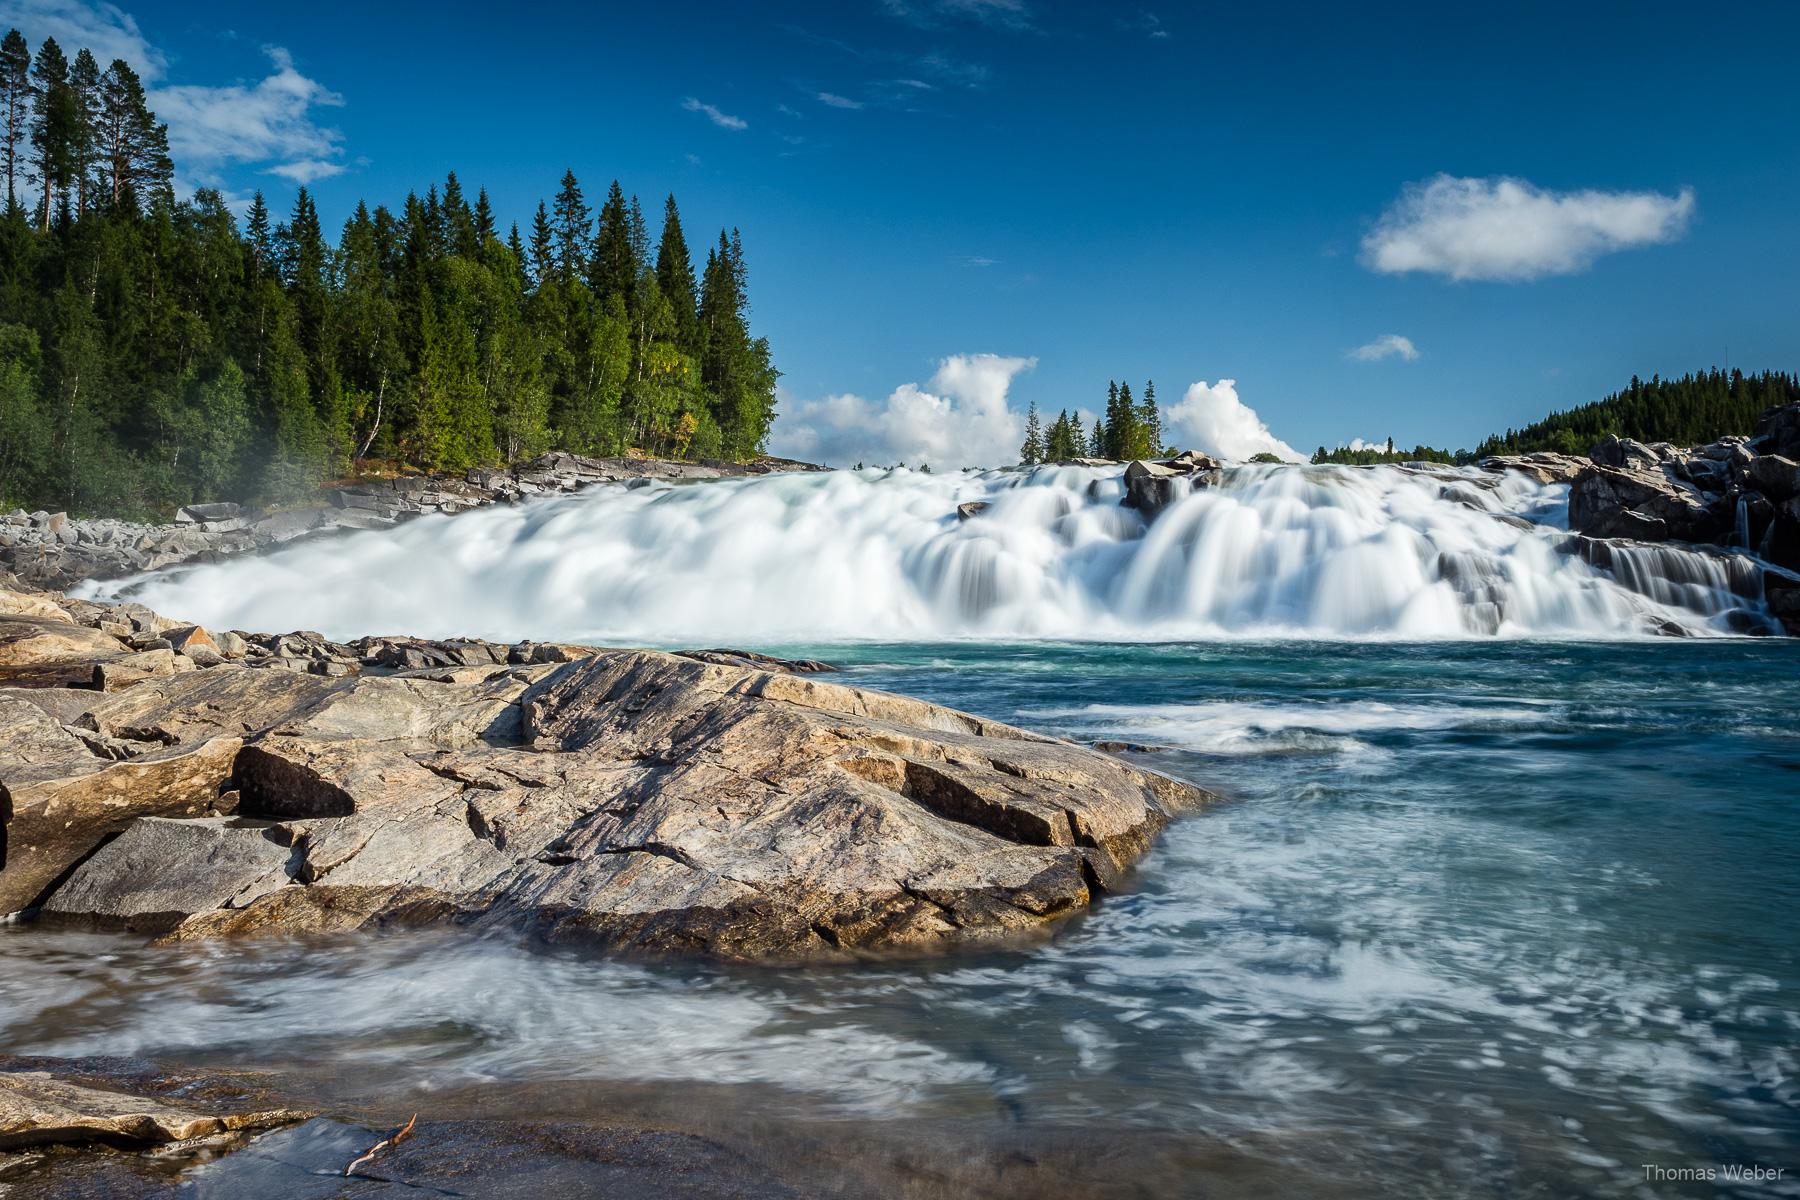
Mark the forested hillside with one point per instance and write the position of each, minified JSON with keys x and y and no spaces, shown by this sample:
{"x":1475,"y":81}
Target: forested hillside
{"x":1688,"y":411}
{"x":156,"y":351}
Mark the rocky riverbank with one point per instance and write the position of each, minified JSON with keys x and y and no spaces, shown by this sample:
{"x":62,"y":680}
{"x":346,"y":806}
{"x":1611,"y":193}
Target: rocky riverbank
{"x":54,"y":550}
{"x":165,"y":779}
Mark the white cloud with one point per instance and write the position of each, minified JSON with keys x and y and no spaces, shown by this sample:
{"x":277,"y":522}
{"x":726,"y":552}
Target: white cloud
{"x":723,"y":120}
{"x":307,"y":170}
{"x":272,"y":121}
{"x":836,"y":101}
{"x":1388,"y":345}
{"x":104,"y":29}
{"x":959,"y":418}
{"x":1508,"y":229}
{"x":1212,"y":419}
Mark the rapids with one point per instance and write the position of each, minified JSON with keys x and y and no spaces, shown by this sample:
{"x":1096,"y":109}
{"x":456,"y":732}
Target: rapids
{"x":1269,"y":552}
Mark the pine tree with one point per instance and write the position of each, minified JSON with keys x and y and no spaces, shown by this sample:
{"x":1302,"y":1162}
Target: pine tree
{"x":1032,"y":452}
{"x":1097,"y":443}
{"x":53,"y":122}
{"x":15,"y":110}
{"x":132,"y":148}
{"x":84,"y":100}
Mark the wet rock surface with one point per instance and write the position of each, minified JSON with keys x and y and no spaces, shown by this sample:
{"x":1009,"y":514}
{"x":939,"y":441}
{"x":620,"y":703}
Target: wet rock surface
{"x":1738,"y":492}
{"x":716,"y":802}
{"x":54,"y":550}
{"x":233,"y":1135}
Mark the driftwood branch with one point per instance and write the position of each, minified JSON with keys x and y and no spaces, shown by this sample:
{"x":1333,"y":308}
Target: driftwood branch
{"x":383,"y":1144}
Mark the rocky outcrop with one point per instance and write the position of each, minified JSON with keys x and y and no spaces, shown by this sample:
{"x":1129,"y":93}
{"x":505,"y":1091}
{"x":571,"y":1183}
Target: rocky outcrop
{"x":1741,"y":493}
{"x":53,"y":550}
{"x":717,"y":802}
{"x":42,"y":1108}
{"x":1543,"y":466}
{"x":1153,"y":485}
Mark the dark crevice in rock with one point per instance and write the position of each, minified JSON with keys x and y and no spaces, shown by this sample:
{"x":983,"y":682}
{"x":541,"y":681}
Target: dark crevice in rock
{"x":658,"y":850}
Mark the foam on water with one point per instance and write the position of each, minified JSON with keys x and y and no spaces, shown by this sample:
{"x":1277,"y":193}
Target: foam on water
{"x":1268,"y":552}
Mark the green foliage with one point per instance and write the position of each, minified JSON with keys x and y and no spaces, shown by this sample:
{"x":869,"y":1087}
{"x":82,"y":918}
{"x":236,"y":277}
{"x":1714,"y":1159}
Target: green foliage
{"x":1263,"y":456}
{"x":155,"y":353}
{"x":1688,"y":411}
{"x":1369,"y":456}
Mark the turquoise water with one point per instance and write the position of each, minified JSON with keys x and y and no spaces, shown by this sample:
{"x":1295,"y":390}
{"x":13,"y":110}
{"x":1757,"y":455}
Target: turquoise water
{"x":1479,"y":918}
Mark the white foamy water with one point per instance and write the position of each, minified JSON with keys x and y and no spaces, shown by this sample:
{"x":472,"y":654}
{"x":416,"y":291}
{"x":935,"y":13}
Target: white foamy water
{"x":1269,"y":552}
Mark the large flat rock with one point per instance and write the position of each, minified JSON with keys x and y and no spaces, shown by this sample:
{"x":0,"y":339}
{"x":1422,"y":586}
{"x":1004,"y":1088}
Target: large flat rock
{"x":722,"y":803}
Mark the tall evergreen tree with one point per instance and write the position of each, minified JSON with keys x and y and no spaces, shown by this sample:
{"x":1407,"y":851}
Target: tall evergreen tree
{"x":84,"y":100}
{"x":675,"y":279}
{"x":1152,"y":422}
{"x":543,"y":246}
{"x":614,"y":268}
{"x":53,"y":127}
{"x":484,"y":219}
{"x":571,"y":225}
{"x":15,"y":111}
{"x":1032,"y":452}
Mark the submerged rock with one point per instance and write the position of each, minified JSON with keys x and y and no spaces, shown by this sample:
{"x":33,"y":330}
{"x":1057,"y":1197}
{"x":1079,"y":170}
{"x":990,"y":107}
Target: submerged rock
{"x":718,"y":801}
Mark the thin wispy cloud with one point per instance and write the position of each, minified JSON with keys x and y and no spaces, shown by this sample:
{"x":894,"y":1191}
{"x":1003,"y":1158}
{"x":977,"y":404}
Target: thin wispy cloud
{"x":952,"y":72}
{"x":723,"y":120}
{"x":1010,"y":15}
{"x":981,"y":260}
{"x":1388,"y":345}
{"x":833,"y":100}
{"x":271,"y":124}
{"x":1510,"y":230}
{"x":1146,"y":23}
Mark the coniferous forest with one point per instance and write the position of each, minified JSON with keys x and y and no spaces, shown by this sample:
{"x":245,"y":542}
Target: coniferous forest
{"x":1130,"y":428}
{"x":156,"y":352}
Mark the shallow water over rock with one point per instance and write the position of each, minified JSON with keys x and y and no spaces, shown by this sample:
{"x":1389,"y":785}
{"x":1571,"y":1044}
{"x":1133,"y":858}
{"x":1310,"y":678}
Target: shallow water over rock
{"x":1486,"y":919}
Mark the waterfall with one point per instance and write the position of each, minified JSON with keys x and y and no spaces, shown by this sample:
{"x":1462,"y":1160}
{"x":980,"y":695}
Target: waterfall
{"x":1266,"y":551}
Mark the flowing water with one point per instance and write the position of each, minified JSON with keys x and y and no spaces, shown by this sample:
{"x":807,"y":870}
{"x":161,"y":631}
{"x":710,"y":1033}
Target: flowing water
{"x":1270,"y":552}
{"x":1484,"y":916}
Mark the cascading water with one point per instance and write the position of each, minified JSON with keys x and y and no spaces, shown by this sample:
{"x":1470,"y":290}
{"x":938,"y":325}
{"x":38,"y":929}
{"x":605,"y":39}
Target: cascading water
{"x":1264,"y":552}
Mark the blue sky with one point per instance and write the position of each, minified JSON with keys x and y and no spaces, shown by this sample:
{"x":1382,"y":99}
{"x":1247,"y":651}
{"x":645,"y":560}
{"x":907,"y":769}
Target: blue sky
{"x":1190,"y":192}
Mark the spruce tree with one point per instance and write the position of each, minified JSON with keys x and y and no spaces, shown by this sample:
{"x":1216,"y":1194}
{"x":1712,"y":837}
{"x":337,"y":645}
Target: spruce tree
{"x":543,"y":246}
{"x":1032,"y":452}
{"x":675,"y":280}
{"x":484,"y":219}
{"x":613,"y":269}
{"x":571,"y":224}
{"x":1152,"y":422}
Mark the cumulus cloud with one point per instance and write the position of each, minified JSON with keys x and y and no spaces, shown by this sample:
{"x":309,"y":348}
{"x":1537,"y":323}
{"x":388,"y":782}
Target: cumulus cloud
{"x":1511,"y":230}
{"x":836,"y":101}
{"x":271,"y":121}
{"x":723,"y":120}
{"x":1388,"y":345}
{"x":958,"y":418}
{"x":106,"y":30}
{"x":1211,"y":418}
